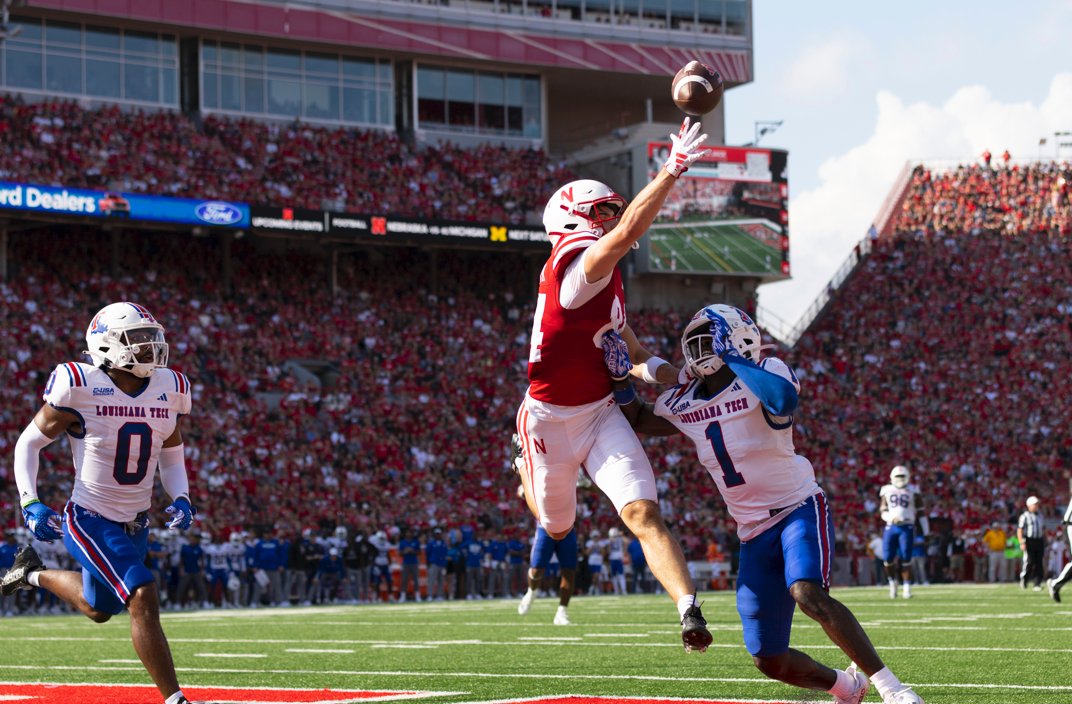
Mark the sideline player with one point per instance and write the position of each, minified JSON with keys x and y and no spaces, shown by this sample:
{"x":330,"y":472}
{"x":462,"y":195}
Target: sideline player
{"x":616,"y":556}
{"x":544,"y":549}
{"x":1059,"y":581}
{"x":898,"y":504}
{"x":122,"y":418}
{"x":740,"y":416}
{"x":568,"y":416}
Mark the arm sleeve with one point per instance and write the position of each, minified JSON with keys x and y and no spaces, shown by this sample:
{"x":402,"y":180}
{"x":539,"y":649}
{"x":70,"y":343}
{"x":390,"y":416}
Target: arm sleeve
{"x":28,"y":461}
{"x":173,"y":473}
{"x":774,"y":383}
{"x":574,"y":290}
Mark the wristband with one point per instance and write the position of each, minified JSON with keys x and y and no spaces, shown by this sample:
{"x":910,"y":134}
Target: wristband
{"x":625,"y":396}
{"x":650,"y":367}
{"x":30,"y":502}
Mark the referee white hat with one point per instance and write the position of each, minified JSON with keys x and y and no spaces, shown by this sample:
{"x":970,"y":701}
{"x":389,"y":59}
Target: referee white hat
{"x":1032,"y":500}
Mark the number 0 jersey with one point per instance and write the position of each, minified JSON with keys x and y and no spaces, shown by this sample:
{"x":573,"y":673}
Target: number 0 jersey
{"x":748,"y":452}
{"x":118,"y":446}
{"x":900,"y":504}
{"x":566,"y":366}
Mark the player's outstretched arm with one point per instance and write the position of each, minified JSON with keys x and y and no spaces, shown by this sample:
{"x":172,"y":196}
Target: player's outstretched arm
{"x":638,"y":413}
{"x":646,"y":366}
{"x":46,"y":426}
{"x":601,"y":258}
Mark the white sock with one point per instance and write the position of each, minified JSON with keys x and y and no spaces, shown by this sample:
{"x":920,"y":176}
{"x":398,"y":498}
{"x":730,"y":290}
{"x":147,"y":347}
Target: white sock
{"x":684,"y":603}
{"x":561,"y":609}
{"x":886,"y":682}
{"x":34,"y":578}
{"x":174,"y":698}
{"x":844,"y":686}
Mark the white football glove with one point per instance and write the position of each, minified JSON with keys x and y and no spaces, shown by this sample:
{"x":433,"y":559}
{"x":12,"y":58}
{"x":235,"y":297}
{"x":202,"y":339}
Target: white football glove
{"x":686,"y":149}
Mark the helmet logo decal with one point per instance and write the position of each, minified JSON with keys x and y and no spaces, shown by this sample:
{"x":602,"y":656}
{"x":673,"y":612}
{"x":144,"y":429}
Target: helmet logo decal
{"x":568,"y":195}
{"x":98,"y":328}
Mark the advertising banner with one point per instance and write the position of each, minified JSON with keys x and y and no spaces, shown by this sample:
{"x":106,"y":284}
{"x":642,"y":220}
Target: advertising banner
{"x":32,"y":198}
{"x":390,"y":227}
{"x":731,"y":191}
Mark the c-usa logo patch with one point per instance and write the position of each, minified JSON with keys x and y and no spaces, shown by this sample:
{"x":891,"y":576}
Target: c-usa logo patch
{"x":104,"y":392}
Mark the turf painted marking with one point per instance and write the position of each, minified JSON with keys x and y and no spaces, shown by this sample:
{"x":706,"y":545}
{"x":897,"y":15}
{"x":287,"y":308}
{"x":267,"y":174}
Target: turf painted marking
{"x":406,"y":646}
{"x":125,"y":662}
{"x":598,"y":699}
{"x":50,"y":693}
{"x":615,"y":635}
{"x":550,"y":638}
{"x":230,"y":655}
{"x":311,"y":650}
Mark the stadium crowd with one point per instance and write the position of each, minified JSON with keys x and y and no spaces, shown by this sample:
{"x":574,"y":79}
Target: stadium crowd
{"x":58,"y":143}
{"x":932,"y":355}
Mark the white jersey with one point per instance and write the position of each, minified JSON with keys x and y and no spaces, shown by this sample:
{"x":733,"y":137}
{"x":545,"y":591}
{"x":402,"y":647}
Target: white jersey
{"x":54,"y":555}
{"x":218,"y":556}
{"x":617,"y":549}
{"x":117,"y":447}
{"x":748,"y":452}
{"x":900,"y":505}
{"x":595,"y":552}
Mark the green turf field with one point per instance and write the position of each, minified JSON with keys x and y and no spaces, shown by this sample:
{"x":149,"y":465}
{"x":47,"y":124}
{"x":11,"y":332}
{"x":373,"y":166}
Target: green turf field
{"x":958,"y":644}
{"x":703,"y":247}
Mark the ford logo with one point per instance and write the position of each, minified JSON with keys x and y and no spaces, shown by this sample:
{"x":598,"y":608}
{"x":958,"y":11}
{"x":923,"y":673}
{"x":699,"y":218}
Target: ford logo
{"x":218,"y":213}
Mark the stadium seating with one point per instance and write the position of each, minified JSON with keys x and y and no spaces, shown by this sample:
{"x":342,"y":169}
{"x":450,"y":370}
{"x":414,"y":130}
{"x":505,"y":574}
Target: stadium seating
{"x":61,"y":144}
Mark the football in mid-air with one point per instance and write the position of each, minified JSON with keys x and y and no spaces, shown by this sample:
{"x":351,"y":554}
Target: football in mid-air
{"x":697,"y":89}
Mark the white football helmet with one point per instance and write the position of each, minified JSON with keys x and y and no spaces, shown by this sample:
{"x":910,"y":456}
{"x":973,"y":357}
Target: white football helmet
{"x":236,"y":538}
{"x":696,"y":343}
{"x":899,"y":476}
{"x":573,"y":209}
{"x":612,"y":533}
{"x":340,"y":532}
{"x":120,"y":332}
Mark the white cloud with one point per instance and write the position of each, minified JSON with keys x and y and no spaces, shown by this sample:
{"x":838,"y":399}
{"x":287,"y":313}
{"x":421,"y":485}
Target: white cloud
{"x":827,"y":221}
{"x":821,"y":72}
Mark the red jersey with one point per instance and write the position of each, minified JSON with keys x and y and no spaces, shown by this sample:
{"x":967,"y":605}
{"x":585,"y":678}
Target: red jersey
{"x":566,"y":366}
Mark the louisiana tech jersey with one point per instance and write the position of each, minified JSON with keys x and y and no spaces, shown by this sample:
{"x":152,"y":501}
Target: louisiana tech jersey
{"x":118,"y":445}
{"x":900,"y":504}
{"x":748,"y":452}
{"x":616,"y":549}
{"x":566,"y":366}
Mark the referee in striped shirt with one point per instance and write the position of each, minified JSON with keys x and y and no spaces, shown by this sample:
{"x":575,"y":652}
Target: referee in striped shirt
{"x":1032,"y":535}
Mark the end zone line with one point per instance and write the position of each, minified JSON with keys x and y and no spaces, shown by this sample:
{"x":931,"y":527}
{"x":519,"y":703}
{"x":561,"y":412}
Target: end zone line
{"x":370,"y":673}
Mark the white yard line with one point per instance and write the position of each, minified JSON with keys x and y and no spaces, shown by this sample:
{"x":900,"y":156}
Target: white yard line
{"x":311,"y":650}
{"x":545,"y":676}
{"x":230,"y":655}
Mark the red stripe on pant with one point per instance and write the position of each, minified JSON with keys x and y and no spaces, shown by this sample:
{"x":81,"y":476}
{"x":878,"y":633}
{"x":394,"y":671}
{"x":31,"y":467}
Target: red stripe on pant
{"x":85,"y":543}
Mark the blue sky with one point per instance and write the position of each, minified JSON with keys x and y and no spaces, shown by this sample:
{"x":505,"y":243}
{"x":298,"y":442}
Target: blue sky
{"x":863,"y":87}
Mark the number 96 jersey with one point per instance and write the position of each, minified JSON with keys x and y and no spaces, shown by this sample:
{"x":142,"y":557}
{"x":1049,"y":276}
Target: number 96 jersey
{"x":748,"y":452}
{"x":900,"y":504}
{"x":117,"y":447}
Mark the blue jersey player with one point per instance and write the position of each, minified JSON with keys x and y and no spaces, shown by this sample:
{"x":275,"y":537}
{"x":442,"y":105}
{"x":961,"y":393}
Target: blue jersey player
{"x":544,"y":547}
{"x":739,"y":413}
{"x":121,"y":415}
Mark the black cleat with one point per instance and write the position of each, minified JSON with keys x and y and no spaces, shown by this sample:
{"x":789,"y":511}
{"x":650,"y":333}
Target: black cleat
{"x":694,"y":631}
{"x":26,"y":563}
{"x":1055,"y":593}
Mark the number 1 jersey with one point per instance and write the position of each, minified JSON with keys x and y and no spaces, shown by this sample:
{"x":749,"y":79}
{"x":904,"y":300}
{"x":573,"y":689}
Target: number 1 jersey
{"x":748,"y":452}
{"x":118,"y":446}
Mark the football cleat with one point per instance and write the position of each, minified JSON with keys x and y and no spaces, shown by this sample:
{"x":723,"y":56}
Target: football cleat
{"x":863,"y":684}
{"x":560,"y":617}
{"x":903,"y":696}
{"x":893,"y":589}
{"x":26,"y":563}
{"x":694,"y":633}
{"x":907,"y":590}
{"x":526,"y":602}
{"x":1055,"y":594}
